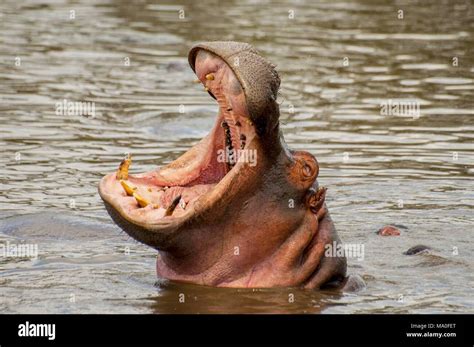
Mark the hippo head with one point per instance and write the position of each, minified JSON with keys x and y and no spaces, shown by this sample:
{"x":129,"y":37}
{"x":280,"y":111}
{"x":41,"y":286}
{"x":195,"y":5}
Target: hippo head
{"x":239,"y":209}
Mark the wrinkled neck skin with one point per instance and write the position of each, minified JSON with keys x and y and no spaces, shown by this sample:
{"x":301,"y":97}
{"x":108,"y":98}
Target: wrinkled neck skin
{"x":290,"y":237}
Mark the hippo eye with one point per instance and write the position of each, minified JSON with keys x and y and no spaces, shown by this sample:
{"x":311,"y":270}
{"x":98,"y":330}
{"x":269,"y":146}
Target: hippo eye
{"x":307,"y":170}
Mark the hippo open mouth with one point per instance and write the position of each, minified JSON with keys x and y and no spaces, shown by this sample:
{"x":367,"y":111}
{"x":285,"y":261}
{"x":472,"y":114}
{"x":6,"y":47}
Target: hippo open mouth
{"x":171,"y":195}
{"x":239,"y":208}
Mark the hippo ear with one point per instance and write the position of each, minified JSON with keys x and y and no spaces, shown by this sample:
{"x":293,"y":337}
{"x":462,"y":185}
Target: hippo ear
{"x":315,"y":201}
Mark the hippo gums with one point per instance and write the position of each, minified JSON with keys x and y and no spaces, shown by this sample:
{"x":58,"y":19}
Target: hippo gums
{"x":239,"y":209}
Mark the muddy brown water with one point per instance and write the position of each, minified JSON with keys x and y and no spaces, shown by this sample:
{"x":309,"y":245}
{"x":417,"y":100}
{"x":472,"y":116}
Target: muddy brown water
{"x":339,"y":62}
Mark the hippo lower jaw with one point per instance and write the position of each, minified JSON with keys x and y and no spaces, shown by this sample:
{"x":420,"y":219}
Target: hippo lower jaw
{"x":258,"y":222}
{"x":175,"y":195}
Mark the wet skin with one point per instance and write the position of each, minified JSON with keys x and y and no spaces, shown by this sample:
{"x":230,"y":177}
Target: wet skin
{"x":260,"y":221}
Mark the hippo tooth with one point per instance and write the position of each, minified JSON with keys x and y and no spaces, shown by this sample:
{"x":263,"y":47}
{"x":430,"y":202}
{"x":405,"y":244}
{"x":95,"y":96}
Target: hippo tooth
{"x":210,"y":77}
{"x":197,"y":81}
{"x":141,"y":201}
{"x":172,"y":206}
{"x":122,"y":172}
{"x":128,"y":188}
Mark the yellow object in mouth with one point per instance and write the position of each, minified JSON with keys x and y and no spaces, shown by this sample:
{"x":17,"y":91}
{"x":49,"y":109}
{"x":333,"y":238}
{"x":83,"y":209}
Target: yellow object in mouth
{"x":122,"y":172}
{"x":128,"y":189}
{"x":140,"y":200}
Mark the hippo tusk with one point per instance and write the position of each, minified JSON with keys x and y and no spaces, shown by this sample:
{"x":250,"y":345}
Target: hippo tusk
{"x":140,"y":200}
{"x":128,"y":188}
{"x":172,"y":206}
{"x":122,"y":172}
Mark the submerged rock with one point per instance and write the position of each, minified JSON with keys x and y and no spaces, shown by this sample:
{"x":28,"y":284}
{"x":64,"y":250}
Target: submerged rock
{"x":417,"y":249}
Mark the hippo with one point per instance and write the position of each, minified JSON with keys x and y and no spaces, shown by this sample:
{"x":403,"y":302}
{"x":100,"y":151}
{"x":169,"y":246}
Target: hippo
{"x":239,"y":209}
